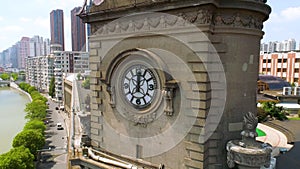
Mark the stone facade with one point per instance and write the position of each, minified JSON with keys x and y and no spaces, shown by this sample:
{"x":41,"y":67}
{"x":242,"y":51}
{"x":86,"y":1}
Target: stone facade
{"x":205,"y":55}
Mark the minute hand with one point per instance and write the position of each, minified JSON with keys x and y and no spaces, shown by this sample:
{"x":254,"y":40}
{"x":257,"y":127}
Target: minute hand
{"x":138,"y":81}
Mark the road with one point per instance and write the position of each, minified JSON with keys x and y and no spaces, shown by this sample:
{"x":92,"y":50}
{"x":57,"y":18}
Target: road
{"x":56,"y":157}
{"x":290,"y":160}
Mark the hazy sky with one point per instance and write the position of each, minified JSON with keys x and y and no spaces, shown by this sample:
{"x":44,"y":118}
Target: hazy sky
{"x":20,"y":18}
{"x":284,"y":22}
{"x":32,"y":17}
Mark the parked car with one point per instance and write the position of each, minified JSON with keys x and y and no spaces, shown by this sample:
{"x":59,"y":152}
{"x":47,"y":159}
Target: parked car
{"x":59,"y":126}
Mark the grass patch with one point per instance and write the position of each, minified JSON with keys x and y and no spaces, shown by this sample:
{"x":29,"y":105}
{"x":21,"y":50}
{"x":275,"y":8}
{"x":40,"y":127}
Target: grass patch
{"x":294,"y":118}
{"x":260,"y":133}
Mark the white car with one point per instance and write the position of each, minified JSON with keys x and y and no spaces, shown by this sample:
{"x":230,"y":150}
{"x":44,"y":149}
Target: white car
{"x":59,"y":126}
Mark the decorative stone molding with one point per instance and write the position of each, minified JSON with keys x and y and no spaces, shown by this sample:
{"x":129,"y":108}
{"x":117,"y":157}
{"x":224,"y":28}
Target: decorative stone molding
{"x":111,"y":91}
{"x":238,"y":20}
{"x":169,"y":93}
{"x":203,"y":16}
{"x":147,"y":22}
{"x":141,"y":119}
{"x":163,"y":21}
{"x":246,"y":157}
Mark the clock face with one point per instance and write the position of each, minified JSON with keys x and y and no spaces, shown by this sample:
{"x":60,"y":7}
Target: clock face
{"x":139,"y":86}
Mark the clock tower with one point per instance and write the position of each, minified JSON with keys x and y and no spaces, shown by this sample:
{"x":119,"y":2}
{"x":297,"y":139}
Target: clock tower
{"x":171,"y":80}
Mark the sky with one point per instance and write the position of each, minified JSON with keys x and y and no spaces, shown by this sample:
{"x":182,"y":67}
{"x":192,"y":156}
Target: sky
{"x":284,"y":21}
{"x":20,"y":18}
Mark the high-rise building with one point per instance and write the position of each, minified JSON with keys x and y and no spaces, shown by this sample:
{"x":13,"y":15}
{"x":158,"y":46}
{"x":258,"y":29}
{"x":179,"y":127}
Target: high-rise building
{"x":39,"y":71}
{"x":13,"y":52}
{"x":284,"y":46}
{"x":78,"y":31}
{"x":68,"y":62}
{"x":38,"y":46}
{"x":23,"y":51}
{"x":57,"y":27}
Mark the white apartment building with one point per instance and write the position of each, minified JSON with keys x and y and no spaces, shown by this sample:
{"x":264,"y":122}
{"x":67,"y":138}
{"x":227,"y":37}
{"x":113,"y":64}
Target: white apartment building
{"x":284,"y":46}
{"x":39,"y":70}
{"x":68,"y":62}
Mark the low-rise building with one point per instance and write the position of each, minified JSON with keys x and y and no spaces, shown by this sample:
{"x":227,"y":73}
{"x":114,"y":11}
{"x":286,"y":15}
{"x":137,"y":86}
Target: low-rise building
{"x":285,"y":65}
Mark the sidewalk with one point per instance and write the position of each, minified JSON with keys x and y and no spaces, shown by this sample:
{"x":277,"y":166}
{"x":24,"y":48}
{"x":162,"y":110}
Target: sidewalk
{"x":274,"y":137}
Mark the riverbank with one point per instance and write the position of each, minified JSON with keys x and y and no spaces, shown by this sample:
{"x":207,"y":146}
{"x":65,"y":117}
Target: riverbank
{"x":13,"y":85}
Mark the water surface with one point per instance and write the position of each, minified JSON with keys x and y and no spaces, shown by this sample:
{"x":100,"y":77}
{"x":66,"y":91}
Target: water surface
{"x":12,"y":116}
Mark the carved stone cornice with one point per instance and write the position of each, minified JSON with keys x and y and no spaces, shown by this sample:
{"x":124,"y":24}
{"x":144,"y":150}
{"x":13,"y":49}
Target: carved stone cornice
{"x":238,"y":20}
{"x":161,"y":21}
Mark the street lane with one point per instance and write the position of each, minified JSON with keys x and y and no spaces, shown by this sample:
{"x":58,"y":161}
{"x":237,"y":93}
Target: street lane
{"x":56,"y":158}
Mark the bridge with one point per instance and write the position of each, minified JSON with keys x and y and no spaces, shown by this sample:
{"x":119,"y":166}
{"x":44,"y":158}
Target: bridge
{"x":4,"y":82}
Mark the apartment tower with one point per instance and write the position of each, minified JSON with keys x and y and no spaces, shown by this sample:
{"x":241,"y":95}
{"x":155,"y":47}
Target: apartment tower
{"x":57,"y":27}
{"x":78,"y":31}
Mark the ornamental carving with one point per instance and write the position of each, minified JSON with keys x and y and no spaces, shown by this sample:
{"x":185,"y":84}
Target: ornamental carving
{"x":160,"y":21}
{"x":238,"y":20}
{"x":248,"y":152}
{"x":255,"y":160}
{"x":169,"y":93}
{"x":141,"y":119}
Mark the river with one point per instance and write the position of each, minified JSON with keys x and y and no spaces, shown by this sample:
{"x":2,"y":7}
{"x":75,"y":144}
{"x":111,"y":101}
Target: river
{"x":12,"y":116}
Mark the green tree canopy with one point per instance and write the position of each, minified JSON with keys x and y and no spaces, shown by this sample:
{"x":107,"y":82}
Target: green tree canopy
{"x":35,"y":125}
{"x":14,"y":76}
{"x":274,"y":111}
{"x":31,"y":89}
{"x":24,"y":86}
{"x":35,"y":95}
{"x":30,"y":139}
{"x":86,"y":83}
{"x":36,"y":110}
{"x":4,"y":76}
{"x":17,"y":158}
{"x":52,"y":87}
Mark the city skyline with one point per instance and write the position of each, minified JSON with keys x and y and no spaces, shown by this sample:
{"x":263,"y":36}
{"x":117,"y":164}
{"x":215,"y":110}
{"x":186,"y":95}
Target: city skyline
{"x":29,"y":18}
{"x":25,"y":20}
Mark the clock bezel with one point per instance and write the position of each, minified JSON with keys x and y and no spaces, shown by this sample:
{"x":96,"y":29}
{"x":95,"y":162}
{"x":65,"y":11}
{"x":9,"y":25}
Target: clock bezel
{"x":139,"y":115}
{"x":138,"y":96}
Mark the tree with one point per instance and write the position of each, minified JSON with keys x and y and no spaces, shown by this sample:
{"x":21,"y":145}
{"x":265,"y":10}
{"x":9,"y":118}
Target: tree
{"x":4,"y":76}
{"x":52,"y":87}
{"x":274,"y":111}
{"x":17,"y":158}
{"x":31,"y":89}
{"x":35,"y":125}
{"x":35,"y":95}
{"x":30,"y":139}
{"x":78,"y":76}
{"x":36,"y":110}
{"x":14,"y":76}
{"x":86,"y":83}
{"x":24,"y":86}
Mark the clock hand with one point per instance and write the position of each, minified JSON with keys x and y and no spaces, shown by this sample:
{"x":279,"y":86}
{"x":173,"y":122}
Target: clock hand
{"x":138,"y":81}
